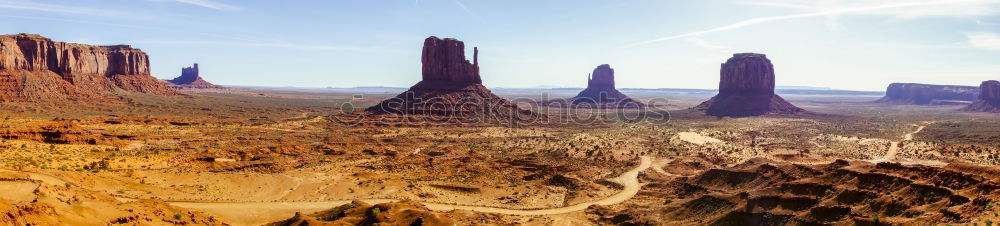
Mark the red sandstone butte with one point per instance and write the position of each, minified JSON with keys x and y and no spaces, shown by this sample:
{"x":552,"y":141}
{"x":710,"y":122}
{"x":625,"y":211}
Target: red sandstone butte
{"x":35,"y":68}
{"x":190,"y":79}
{"x":746,"y":88}
{"x":450,"y":88}
{"x":601,"y":92}
{"x":989,"y":98}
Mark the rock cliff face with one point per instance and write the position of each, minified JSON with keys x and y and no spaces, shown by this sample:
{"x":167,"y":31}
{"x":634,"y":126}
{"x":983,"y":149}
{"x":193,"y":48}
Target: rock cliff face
{"x":913,"y":93}
{"x":989,"y":98}
{"x":451,"y":90}
{"x":746,"y":88}
{"x":33,"y":67}
{"x":601,"y":92}
{"x":190,"y":79}
{"x":444,"y":60}
{"x":602,"y":78}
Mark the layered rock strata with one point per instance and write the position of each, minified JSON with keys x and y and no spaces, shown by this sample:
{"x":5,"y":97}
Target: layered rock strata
{"x":35,"y":68}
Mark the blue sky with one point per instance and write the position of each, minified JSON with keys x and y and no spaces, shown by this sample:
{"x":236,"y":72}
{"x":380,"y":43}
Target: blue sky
{"x":845,"y":44}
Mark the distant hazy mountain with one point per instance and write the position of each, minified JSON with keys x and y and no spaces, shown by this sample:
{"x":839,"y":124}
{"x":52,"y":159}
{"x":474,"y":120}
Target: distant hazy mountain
{"x":803,"y":87}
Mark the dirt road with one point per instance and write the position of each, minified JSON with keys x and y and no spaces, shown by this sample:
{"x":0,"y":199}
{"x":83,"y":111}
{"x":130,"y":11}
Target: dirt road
{"x":257,"y":213}
{"x":894,"y":147}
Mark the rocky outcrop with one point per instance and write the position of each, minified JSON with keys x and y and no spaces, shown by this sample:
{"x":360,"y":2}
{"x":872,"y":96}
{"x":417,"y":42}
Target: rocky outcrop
{"x":602,"y":78}
{"x":451,"y":90}
{"x":34,"y":68}
{"x":601,"y":92}
{"x":393,"y":213}
{"x":746,"y":88}
{"x":444,"y":61}
{"x":989,"y":98}
{"x":58,"y":132}
{"x":190,"y":79}
{"x":922,"y":94}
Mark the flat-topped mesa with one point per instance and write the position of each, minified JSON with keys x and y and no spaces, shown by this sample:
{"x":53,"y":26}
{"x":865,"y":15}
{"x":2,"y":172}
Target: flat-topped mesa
{"x":601,"y":92}
{"x":31,"y":52}
{"x":989,"y":98}
{"x":28,"y":62}
{"x":190,"y":79}
{"x":444,"y":61}
{"x":746,"y":88}
{"x":922,"y":94}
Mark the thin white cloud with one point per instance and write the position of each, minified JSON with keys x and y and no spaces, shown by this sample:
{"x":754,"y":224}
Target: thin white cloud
{"x":70,"y":21}
{"x":139,"y":27}
{"x":467,"y":10}
{"x":706,"y":44}
{"x":62,"y":9}
{"x":210,"y":4}
{"x":325,"y":47}
{"x":783,"y":5}
{"x":984,"y":40}
{"x":463,"y":7}
{"x":917,"y":7}
{"x":955,"y":9}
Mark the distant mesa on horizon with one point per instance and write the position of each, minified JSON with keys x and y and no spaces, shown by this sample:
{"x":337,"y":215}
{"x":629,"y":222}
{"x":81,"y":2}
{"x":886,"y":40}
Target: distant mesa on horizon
{"x":989,"y":98}
{"x":35,"y":68}
{"x":746,"y":88}
{"x":601,"y":92}
{"x":190,"y":79}
{"x":927,"y":94}
{"x":802,"y":88}
{"x":450,"y":89}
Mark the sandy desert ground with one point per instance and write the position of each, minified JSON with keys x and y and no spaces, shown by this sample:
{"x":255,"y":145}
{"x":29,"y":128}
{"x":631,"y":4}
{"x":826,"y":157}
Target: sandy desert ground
{"x":258,"y":156}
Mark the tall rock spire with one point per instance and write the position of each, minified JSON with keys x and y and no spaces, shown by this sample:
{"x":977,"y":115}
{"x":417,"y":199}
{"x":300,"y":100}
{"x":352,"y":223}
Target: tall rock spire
{"x":601,"y":92}
{"x":450,"y":91}
{"x":444,"y":60}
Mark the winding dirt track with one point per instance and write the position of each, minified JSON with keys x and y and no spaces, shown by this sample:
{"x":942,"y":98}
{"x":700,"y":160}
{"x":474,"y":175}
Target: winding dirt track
{"x":257,"y":213}
{"x":894,"y":147}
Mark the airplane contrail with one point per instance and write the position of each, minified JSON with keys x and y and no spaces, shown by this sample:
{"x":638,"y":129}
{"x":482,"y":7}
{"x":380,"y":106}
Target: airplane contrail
{"x":795,"y":16}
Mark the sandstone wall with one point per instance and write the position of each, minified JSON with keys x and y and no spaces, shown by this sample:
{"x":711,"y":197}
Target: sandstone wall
{"x":603,"y":77}
{"x":36,"y":53}
{"x":444,"y":60}
{"x":746,"y":88}
{"x":989,"y":98}
{"x":35,"y":68}
{"x":990,"y":91}
{"x":747,"y":73}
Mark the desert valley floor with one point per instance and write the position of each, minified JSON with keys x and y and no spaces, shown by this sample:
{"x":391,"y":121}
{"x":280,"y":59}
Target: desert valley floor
{"x":258,"y":156}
